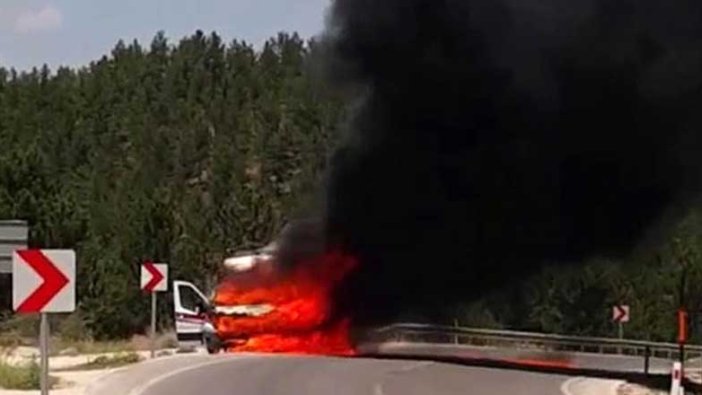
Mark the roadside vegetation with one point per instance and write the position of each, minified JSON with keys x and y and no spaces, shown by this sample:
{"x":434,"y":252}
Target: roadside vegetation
{"x":176,"y":152}
{"x":577,"y":298}
{"x":182,"y":151}
{"x":22,"y":377}
{"x":71,"y":338}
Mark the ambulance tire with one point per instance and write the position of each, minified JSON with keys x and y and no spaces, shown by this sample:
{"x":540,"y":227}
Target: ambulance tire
{"x":212,"y":344}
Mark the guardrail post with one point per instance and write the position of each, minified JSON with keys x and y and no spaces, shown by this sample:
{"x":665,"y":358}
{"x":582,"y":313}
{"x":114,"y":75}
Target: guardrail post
{"x":647,"y":356}
{"x":455,"y":336}
{"x":676,"y":378}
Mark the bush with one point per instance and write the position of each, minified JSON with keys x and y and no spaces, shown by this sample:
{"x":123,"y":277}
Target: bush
{"x":23,"y":377}
{"x":10,"y":339}
{"x":476,"y":314}
{"x":19,"y":330}
{"x":25,"y":326}
{"x":73,"y":328}
{"x":168,"y":340}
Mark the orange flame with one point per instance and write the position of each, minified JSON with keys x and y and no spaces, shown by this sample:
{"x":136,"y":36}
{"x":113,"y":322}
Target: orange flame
{"x":329,"y":341}
{"x":301,"y":308}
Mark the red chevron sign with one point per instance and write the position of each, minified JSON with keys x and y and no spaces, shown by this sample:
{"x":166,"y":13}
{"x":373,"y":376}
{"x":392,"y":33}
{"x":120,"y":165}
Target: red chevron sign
{"x":43,"y":281}
{"x":620,"y":313}
{"x":154,"y":277}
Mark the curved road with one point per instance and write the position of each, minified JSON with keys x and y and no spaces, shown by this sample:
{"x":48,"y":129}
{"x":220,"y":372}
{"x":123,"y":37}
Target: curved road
{"x":294,"y":375}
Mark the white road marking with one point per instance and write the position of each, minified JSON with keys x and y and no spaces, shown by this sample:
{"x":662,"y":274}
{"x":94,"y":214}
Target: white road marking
{"x":108,"y":373}
{"x":378,"y":387}
{"x":612,"y":386}
{"x":140,"y":390}
{"x":565,"y":387}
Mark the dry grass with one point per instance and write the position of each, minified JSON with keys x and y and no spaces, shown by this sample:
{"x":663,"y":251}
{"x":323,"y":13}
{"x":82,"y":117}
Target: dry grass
{"x":60,"y":346}
{"x":106,"y":362}
{"x":136,"y":343}
{"x":71,"y":337}
{"x":163,"y":341}
{"x":24,"y":377}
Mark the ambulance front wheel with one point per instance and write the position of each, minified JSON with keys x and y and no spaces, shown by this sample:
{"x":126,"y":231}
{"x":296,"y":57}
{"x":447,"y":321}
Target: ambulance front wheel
{"x":212,"y":344}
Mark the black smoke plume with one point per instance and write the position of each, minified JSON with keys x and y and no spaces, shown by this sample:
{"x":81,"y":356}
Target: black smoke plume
{"x":491,"y":136}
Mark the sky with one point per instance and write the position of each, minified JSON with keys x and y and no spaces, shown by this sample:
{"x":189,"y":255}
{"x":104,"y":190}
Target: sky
{"x":75,"y":32}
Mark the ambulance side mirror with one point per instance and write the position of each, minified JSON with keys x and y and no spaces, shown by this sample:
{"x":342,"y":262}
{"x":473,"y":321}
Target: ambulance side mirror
{"x":202,"y":307}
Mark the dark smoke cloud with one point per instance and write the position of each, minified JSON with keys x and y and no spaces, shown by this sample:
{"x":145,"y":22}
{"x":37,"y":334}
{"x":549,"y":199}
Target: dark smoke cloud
{"x":493,"y":136}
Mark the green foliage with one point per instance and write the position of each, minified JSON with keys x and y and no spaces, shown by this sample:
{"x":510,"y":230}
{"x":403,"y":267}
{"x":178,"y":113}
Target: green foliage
{"x":171,"y":152}
{"x":577,"y":298}
{"x":19,"y":330}
{"x":73,"y":328}
{"x":476,"y":315}
{"x":22,"y":377}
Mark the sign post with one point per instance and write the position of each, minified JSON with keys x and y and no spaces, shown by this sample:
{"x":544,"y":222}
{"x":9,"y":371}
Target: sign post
{"x":154,"y":278}
{"x":44,"y":353}
{"x":620,"y":315}
{"x":152,"y":335}
{"x":43,"y":281}
{"x":682,"y":335}
{"x":676,"y":379}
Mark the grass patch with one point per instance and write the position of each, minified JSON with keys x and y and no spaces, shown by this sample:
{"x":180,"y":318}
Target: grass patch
{"x":20,"y":330}
{"x":11,"y":339}
{"x":24,"y":377}
{"x":69,"y":347}
{"x":106,"y":362}
{"x":71,"y":337}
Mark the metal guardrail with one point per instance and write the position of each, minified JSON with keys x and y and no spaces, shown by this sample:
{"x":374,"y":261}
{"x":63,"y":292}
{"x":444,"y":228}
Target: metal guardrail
{"x":13,"y":236}
{"x":425,"y":333}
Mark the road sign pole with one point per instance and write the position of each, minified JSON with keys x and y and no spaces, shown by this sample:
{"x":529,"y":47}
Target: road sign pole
{"x":44,"y":353}
{"x":154,"y":278}
{"x":43,"y":281}
{"x":621,"y":334}
{"x":153,"y":325}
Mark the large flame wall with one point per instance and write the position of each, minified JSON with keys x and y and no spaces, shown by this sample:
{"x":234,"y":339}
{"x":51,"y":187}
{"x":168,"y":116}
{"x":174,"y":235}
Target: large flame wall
{"x":301,"y":298}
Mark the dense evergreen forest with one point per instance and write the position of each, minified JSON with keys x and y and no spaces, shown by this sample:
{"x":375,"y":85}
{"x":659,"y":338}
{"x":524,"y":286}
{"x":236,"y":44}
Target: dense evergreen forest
{"x":176,"y":153}
{"x":182,"y":152}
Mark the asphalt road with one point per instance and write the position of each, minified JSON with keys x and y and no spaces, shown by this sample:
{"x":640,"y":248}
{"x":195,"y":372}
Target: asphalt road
{"x":293,"y":375}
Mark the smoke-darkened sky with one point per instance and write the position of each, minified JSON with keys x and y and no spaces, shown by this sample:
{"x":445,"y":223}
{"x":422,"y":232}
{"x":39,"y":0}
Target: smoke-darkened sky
{"x":493,"y":136}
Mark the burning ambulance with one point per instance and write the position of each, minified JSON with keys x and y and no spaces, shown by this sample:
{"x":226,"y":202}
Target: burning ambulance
{"x":260,"y":305}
